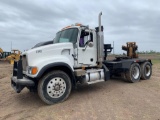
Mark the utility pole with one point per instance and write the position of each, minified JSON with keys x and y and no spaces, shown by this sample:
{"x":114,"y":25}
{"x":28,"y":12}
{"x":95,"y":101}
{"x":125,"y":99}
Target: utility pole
{"x":11,"y":45}
{"x":113,"y":47}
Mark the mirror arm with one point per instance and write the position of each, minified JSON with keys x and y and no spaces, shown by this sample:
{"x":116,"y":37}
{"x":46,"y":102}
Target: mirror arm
{"x":85,"y":48}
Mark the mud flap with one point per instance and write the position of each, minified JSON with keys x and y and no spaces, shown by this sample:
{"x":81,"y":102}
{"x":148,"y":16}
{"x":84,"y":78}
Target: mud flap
{"x":106,"y":72}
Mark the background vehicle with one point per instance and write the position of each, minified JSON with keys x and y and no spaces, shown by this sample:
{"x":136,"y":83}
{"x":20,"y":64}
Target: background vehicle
{"x":3,"y":54}
{"x":14,"y":56}
{"x":78,"y":55}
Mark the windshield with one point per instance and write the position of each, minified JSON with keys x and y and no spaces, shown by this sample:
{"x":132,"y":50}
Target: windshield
{"x":68,"y":35}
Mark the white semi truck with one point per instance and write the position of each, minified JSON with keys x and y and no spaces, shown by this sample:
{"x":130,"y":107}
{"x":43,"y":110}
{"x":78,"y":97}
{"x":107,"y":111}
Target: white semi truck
{"x":77,"y":56}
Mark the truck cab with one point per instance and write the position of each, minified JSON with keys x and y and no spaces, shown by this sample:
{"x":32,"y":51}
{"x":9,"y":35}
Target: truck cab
{"x":71,"y":58}
{"x":84,"y":43}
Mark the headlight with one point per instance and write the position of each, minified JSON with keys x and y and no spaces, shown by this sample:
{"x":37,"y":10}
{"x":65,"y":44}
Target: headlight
{"x":32,"y":70}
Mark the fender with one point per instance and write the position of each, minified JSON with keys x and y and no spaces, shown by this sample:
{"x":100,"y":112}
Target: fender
{"x":60,"y":66}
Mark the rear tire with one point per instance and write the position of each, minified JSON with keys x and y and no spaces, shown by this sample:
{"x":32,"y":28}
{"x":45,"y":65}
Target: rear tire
{"x":146,"y":70}
{"x":134,"y":73}
{"x":54,"y":87}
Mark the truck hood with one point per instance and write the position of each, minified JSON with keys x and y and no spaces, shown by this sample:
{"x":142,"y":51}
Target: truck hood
{"x":47,"y":48}
{"x":52,"y":51}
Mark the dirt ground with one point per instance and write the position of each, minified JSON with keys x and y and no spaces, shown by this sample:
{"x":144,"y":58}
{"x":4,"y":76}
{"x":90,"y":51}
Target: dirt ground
{"x":111,"y":100}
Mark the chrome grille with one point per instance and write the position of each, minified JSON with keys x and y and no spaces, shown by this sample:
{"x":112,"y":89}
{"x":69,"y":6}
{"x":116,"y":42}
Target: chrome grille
{"x":24,"y":62}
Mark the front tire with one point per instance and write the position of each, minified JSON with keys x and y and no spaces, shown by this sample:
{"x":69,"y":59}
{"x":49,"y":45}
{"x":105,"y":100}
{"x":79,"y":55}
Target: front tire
{"x":54,"y":87}
{"x":134,"y":73}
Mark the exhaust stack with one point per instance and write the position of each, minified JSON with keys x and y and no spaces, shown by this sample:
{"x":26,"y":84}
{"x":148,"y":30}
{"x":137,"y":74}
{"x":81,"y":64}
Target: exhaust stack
{"x":100,"y":43}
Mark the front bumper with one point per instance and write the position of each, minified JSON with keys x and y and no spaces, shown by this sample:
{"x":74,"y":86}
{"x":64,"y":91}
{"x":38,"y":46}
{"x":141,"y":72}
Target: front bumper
{"x":18,"y":82}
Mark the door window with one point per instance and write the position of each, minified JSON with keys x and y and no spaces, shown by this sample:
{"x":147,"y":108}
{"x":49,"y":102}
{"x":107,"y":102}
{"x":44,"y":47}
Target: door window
{"x":85,"y":37}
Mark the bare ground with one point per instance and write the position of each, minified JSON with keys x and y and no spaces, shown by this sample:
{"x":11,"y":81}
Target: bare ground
{"x":109,"y":100}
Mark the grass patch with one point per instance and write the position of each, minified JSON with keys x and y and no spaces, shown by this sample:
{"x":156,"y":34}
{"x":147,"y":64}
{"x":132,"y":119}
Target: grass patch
{"x":156,"y":61}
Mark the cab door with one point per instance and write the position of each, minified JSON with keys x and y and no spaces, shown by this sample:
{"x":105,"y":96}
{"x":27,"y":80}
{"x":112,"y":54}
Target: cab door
{"x":87,"y":55}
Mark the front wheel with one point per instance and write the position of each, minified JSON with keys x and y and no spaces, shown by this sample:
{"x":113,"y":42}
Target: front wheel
{"x":134,"y":73}
{"x":54,"y":87}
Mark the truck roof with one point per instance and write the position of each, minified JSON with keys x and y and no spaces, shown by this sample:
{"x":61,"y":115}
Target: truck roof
{"x":76,"y":25}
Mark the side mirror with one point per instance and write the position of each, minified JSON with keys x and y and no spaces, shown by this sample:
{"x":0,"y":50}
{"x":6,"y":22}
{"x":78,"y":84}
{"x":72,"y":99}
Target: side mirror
{"x":90,"y":44}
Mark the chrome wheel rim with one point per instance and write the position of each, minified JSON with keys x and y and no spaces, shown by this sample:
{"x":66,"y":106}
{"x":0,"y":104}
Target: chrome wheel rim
{"x":56,"y":87}
{"x":148,"y":70}
{"x":135,"y":72}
